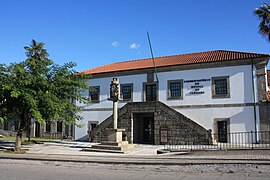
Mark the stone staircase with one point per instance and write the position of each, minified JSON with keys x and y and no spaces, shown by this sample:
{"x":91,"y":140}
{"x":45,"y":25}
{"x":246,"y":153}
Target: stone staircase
{"x":180,"y":128}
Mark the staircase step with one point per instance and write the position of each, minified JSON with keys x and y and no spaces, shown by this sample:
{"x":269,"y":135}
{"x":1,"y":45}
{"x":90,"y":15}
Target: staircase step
{"x":103,"y":150}
{"x":110,"y":143}
{"x":113,"y":149}
{"x":101,"y":146}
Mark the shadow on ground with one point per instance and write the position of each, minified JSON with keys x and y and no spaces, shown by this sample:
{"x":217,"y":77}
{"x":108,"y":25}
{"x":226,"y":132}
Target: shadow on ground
{"x":6,"y":145}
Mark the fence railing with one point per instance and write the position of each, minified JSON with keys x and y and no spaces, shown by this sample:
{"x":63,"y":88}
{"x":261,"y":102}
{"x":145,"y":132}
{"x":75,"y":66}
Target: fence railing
{"x":225,"y":141}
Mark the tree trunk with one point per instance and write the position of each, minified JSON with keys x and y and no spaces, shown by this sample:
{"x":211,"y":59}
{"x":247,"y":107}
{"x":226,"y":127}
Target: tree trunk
{"x":18,"y":142}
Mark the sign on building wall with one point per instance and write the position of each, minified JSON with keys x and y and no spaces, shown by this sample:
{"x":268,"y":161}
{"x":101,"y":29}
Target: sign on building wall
{"x":196,"y":86}
{"x":163,"y":135}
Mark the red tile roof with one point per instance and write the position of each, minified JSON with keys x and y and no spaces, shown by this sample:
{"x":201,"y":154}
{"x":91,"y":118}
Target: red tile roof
{"x":184,"y":59}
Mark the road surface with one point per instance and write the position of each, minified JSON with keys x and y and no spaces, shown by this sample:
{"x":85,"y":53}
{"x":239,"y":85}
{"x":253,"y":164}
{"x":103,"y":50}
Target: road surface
{"x":45,"y":170}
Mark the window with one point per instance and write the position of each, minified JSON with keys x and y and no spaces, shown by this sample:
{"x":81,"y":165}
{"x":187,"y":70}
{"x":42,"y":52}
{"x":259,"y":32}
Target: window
{"x":48,"y":127}
{"x":92,"y":125}
{"x":220,"y":87}
{"x":59,"y":126}
{"x":175,"y":89}
{"x":126,"y":92}
{"x":94,"y":93}
{"x":150,"y":91}
{"x":6,"y":124}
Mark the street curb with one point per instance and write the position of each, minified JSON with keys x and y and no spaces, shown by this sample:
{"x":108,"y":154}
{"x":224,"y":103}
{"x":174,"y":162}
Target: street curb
{"x":140,"y":161}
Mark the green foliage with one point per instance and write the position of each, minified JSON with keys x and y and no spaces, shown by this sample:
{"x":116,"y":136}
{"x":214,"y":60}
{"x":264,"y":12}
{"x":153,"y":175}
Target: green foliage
{"x":37,"y":88}
{"x":2,"y":120}
{"x":263,"y":13}
{"x":33,"y":140}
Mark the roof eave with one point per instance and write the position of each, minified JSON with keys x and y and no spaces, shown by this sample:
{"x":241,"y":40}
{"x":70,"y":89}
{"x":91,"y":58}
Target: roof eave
{"x":177,"y":67}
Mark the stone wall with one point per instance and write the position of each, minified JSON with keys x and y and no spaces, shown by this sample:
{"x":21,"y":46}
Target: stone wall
{"x":264,"y":109}
{"x":99,"y":134}
{"x":180,"y":129}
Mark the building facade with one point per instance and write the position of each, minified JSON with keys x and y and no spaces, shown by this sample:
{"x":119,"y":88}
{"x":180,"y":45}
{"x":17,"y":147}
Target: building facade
{"x":216,"y":92}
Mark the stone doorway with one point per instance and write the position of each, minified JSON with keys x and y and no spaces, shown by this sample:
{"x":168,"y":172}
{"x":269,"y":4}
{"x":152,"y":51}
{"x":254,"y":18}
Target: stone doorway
{"x":222,"y":131}
{"x":144,"y":128}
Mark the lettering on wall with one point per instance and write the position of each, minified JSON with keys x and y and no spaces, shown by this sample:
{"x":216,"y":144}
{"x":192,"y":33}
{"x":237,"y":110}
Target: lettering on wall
{"x":196,"y":86}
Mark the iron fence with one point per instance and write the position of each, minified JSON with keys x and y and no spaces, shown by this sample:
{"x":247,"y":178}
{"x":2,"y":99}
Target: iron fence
{"x":227,"y":141}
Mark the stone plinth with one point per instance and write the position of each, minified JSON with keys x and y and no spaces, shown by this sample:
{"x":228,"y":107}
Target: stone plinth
{"x":115,"y":144}
{"x":115,"y":135}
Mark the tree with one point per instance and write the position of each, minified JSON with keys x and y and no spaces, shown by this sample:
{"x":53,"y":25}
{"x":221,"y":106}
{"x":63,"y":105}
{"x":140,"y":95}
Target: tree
{"x":37,"y":88}
{"x":263,"y":13}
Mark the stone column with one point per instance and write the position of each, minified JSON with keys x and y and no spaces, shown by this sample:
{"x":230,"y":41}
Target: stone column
{"x":115,"y":133}
{"x":69,"y":132}
{"x":115,"y":114}
{"x":32,"y":127}
{"x":42,"y":130}
{"x":261,"y":82}
{"x":262,"y":122}
{"x":114,"y":97}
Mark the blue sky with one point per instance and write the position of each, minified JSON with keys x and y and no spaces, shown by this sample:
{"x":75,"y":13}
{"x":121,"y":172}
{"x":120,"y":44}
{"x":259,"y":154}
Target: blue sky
{"x":98,"y":32}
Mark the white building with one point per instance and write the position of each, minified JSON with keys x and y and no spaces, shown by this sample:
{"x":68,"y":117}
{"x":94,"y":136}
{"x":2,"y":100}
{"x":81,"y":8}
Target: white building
{"x":224,"y":91}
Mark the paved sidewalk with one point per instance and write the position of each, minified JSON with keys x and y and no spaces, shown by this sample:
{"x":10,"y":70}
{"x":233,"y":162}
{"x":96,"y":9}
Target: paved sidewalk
{"x":146,"y":154}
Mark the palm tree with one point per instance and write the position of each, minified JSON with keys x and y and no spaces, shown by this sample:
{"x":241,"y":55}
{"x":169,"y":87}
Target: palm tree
{"x":36,"y":50}
{"x":263,"y":13}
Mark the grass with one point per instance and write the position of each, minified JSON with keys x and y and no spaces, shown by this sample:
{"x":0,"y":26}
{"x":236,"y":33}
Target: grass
{"x":32,"y":140}
{"x":8,"y":138}
{"x":25,"y":142}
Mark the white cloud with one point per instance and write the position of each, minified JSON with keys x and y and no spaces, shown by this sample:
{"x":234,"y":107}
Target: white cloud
{"x":134,"y":46}
{"x":115,"y":44}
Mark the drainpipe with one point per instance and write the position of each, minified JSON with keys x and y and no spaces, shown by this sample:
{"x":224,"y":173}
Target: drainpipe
{"x":254,"y":100}
{"x":131,"y":128}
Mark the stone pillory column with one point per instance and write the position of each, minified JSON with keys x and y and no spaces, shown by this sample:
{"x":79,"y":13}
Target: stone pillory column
{"x":115,"y":142}
{"x":115,"y":115}
{"x":116,"y":134}
{"x":114,"y":96}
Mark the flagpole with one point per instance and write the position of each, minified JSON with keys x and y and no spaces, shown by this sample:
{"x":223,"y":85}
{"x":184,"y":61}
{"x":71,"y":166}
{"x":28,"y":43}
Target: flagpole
{"x":153,"y":59}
